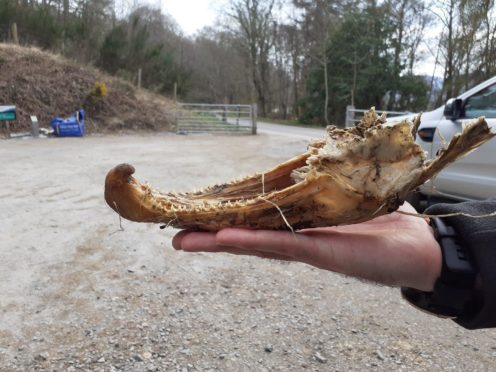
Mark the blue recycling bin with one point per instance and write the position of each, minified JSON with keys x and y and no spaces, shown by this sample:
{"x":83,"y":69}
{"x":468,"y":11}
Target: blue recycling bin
{"x":72,"y":126}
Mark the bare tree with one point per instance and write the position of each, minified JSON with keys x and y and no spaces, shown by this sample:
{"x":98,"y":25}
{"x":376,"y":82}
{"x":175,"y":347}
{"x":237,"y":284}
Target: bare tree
{"x":447,"y":15}
{"x":254,"y":27}
{"x":467,"y":43}
{"x":410,"y":18}
{"x":216,"y":73}
{"x":488,"y":50}
{"x":283,"y":60}
{"x":295,"y":42}
{"x":319,"y":18}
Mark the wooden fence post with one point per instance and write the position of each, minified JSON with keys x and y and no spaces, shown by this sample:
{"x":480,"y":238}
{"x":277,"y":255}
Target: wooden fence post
{"x":15,"y":36}
{"x":139,"y":78}
{"x":178,"y":113}
{"x":254,"y":119}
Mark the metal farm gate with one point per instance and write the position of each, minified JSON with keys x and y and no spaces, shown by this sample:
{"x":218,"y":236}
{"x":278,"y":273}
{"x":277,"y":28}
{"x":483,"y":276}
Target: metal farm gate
{"x":218,"y":119}
{"x":353,"y":115}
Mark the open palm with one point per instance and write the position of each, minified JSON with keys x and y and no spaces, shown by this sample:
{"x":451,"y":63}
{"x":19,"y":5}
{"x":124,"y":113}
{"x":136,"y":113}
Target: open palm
{"x":394,"y":249}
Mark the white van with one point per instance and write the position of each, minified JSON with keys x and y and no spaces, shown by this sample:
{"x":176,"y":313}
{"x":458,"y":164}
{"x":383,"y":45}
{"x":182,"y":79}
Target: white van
{"x":474,"y":176}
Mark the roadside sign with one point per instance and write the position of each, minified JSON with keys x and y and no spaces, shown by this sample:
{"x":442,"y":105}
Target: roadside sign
{"x":7,"y":113}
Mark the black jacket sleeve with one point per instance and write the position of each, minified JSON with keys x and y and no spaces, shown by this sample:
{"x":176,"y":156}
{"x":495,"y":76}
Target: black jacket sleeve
{"x":479,"y":237}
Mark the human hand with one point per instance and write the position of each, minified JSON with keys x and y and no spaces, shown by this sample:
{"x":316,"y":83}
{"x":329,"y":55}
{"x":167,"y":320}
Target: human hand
{"x":394,"y":249}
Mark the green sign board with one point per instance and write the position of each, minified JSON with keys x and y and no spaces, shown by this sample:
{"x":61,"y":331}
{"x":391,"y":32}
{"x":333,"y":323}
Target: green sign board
{"x":7,"y":113}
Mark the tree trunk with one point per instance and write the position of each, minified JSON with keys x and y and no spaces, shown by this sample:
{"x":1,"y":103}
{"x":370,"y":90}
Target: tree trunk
{"x":448,"y":73}
{"x":486,"y":63}
{"x":326,"y":82}
{"x":296,"y":74}
{"x":15,"y":36}
{"x":397,"y":54}
{"x":65,"y":13}
{"x":355,"y":73}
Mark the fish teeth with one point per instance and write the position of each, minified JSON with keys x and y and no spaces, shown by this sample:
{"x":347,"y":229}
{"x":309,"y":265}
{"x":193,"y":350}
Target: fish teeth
{"x":326,"y":191}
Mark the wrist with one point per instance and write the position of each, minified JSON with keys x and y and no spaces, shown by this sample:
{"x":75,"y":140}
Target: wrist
{"x":453,"y":292}
{"x":433,"y":267}
{"x":429,"y":266}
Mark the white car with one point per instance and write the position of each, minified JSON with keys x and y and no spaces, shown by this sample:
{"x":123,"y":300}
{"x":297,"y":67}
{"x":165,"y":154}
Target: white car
{"x":474,"y":176}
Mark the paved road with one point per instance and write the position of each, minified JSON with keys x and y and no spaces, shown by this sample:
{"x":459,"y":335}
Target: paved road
{"x":289,"y":131}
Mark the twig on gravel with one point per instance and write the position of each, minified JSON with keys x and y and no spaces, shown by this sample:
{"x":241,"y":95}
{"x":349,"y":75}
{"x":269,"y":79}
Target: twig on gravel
{"x":121,"y":228}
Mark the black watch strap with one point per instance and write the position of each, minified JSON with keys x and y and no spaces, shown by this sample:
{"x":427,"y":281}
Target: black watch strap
{"x":454,"y":292}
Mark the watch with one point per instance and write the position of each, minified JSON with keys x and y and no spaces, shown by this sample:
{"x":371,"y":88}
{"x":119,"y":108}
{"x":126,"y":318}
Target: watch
{"x":454,"y":293}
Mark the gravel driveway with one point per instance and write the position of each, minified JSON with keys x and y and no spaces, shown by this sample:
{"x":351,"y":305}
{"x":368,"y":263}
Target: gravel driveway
{"x":76,"y":295}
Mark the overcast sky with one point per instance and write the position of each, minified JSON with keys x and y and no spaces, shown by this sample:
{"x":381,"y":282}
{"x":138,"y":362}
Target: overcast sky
{"x":192,"y":15}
